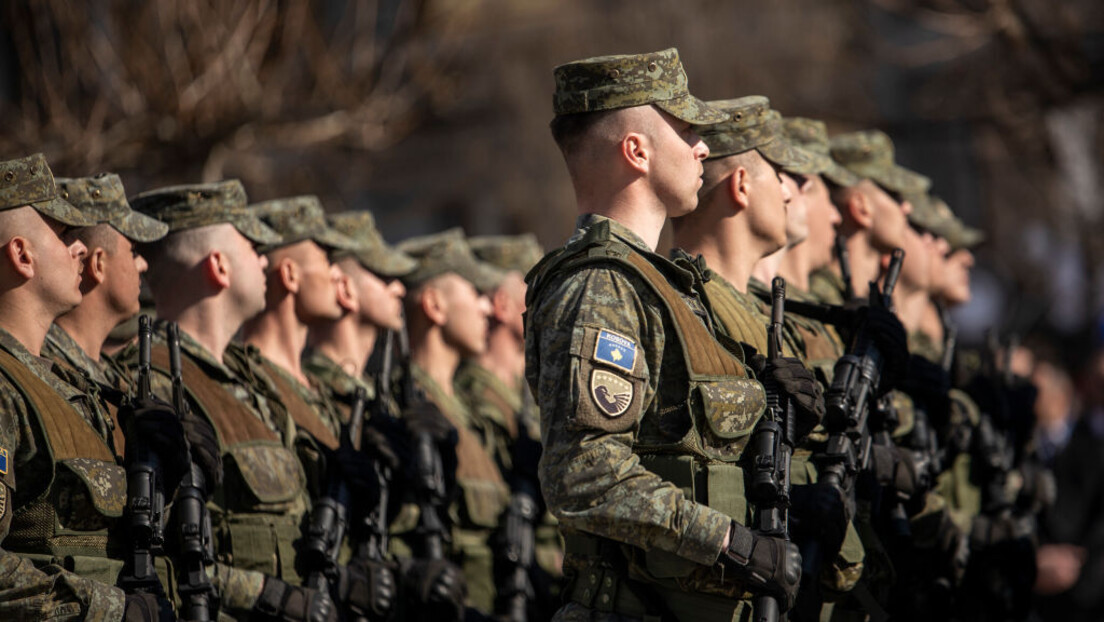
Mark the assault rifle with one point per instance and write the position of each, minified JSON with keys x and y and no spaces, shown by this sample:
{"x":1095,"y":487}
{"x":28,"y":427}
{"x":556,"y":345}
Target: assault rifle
{"x":190,"y":507}
{"x":772,"y":447}
{"x":852,"y":397}
{"x":145,"y":494}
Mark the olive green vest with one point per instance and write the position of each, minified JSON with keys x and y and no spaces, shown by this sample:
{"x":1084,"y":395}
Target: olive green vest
{"x":257,"y":513}
{"x":723,"y":405}
{"x":68,"y":523}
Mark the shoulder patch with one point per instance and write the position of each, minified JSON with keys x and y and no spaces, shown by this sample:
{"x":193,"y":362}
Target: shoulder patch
{"x":611,"y":393}
{"x":614,"y":349}
{"x":3,"y":461}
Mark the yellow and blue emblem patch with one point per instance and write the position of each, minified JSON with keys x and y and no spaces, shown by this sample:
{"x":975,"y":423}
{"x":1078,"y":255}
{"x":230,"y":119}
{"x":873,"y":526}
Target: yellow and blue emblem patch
{"x":616,"y":350}
{"x":3,"y":461}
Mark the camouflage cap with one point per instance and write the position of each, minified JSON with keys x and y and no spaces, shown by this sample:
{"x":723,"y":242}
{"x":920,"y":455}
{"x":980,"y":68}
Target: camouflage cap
{"x":869,"y":155}
{"x":923,"y":214}
{"x":200,"y":205}
{"x":371,"y":250}
{"x":298,"y":219}
{"x":508,"y":252}
{"x":29,"y":181}
{"x":751,"y":124}
{"x":625,"y":81}
{"x":102,"y":198}
{"x":445,"y":252}
{"x":962,"y":236}
{"x":812,"y":135}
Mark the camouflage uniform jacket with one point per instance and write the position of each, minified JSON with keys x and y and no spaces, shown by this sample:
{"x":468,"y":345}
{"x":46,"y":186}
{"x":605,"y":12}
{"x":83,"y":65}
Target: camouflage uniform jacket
{"x":340,"y":387}
{"x":494,"y":409}
{"x":39,"y":589}
{"x":483,"y":495}
{"x":257,"y":512}
{"x":623,"y":444}
{"x":827,"y":287}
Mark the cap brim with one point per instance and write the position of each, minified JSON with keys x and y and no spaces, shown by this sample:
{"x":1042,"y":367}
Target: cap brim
{"x":783,"y":154}
{"x":63,"y":212}
{"x":386,"y":262}
{"x":692,"y":110}
{"x":137,"y":227}
{"x":967,"y":238}
{"x":333,"y":240}
{"x":259,"y":233}
{"x":485,"y":277}
{"x":900,"y":179}
{"x":839,"y":175}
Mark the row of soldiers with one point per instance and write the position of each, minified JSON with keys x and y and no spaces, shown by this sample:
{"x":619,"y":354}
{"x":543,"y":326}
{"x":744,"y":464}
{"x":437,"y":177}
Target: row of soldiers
{"x":238,"y":458}
{"x":763,"y":422}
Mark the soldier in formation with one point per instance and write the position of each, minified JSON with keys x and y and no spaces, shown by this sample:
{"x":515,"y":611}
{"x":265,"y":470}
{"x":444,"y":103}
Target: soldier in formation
{"x":321,"y":426}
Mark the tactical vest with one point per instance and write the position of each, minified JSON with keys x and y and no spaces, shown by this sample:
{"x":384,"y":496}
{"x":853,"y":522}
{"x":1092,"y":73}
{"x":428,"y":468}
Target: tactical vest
{"x":723,"y":406}
{"x":68,"y":522}
{"x":257,"y":513}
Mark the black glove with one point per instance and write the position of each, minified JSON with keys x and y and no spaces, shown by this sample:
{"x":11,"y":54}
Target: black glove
{"x":887,"y":333}
{"x":153,"y":425}
{"x":204,"y":446}
{"x":290,"y":603}
{"x":425,"y":418}
{"x":927,"y":383}
{"x":893,"y":468}
{"x":358,"y":467}
{"x":367,"y":589}
{"x":435,"y":589}
{"x":772,"y":565}
{"x":147,"y":608}
{"x":796,"y":383}
{"x":822,"y":512}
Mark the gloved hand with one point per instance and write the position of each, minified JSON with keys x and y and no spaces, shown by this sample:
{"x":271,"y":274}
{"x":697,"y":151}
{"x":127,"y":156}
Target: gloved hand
{"x":435,"y":589}
{"x":154,"y":426}
{"x":822,"y":512}
{"x":887,"y":333}
{"x":204,"y":446}
{"x":798,"y":384}
{"x":368,"y":589}
{"x":893,"y":468}
{"x":147,"y":608}
{"x":425,"y":419}
{"x":358,"y":467}
{"x":772,"y":565}
{"x":290,"y":603}
{"x":927,"y":382}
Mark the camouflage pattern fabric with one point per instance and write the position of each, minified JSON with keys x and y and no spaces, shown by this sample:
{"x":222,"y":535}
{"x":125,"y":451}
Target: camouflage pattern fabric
{"x":483,"y":496}
{"x":626,"y":81}
{"x":103,"y":199}
{"x":47,"y":592}
{"x":445,"y":252}
{"x":751,"y":124}
{"x":29,"y":181}
{"x":331,"y":378}
{"x":508,"y":252}
{"x":812,"y":135}
{"x":869,"y":155}
{"x":372,"y":251}
{"x":827,"y":287}
{"x":298,"y":219}
{"x":200,"y":205}
{"x":60,"y":347}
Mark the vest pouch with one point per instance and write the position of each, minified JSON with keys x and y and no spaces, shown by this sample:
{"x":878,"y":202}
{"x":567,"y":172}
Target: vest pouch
{"x":265,"y":476}
{"x":483,"y":502}
{"x":89,"y":494}
{"x":730,"y":407}
{"x":683,"y":471}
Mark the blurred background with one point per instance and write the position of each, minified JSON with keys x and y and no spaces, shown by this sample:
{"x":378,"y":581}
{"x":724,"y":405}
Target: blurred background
{"x":433,"y":113}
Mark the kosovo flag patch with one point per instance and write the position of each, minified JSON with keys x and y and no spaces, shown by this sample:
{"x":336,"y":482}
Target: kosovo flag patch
{"x":616,"y":350}
{"x":3,"y":461}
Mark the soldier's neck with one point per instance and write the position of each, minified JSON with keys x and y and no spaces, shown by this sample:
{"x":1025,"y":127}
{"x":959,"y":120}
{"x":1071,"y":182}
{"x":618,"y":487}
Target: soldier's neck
{"x":634,"y":206}
{"x":280,"y":336}
{"x":728,"y":248}
{"x":89,"y":326}
{"x":795,"y":267}
{"x":438,"y":359}
{"x":347,"y":342}
{"x":26,"y":319}
{"x":909,"y":305}
{"x":211,"y":324}
{"x":866,"y":263}
{"x":931,"y":323}
{"x":767,"y":268}
{"x":505,"y":356}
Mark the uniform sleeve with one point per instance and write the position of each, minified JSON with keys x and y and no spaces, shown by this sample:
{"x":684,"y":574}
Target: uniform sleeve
{"x":27,"y":592}
{"x":594,"y":372}
{"x":238,"y":589}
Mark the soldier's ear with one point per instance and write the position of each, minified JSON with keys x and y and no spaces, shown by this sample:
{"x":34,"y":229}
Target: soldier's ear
{"x":634,"y":150}
{"x":289,"y":273}
{"x":95,"y":265}
{"x":860,"y":209}
{"x":346,"y":294}
{"x":216,"y":267}
{"x":22,"y":258}
{"x":738,"y":186}
{"x":433,"y":304}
